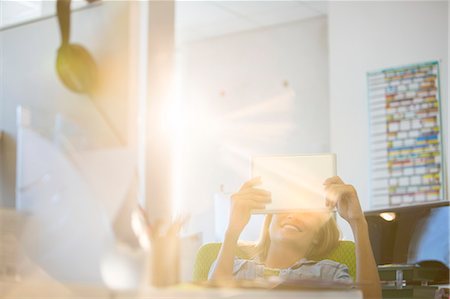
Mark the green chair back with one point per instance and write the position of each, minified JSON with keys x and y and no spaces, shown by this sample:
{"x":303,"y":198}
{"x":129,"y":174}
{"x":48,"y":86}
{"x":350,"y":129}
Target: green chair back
{"x":207,"y":254}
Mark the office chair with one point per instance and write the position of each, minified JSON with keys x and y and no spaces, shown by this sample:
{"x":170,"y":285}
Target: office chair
{"x":207,"y":254}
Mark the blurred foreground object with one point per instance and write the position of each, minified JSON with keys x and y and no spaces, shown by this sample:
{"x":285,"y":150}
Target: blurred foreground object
{"x":162,"y":238}
{"x":72,"y":183}
{"x":75,"y":65}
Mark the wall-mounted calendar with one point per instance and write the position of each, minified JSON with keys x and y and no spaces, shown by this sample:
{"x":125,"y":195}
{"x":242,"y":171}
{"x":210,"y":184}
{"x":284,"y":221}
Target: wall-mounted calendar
{"x":405,"y":136}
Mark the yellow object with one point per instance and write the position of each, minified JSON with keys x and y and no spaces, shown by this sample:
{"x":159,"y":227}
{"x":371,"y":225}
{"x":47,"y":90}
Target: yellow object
{"x":268,"y":272}
{"x":207,"y":254}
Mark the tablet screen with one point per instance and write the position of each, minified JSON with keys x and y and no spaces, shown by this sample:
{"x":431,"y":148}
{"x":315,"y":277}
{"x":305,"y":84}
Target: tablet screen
{"x":296,"y":182}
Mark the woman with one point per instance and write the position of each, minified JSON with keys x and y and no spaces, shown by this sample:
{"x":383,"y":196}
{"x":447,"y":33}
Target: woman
{"x":291,"y":241}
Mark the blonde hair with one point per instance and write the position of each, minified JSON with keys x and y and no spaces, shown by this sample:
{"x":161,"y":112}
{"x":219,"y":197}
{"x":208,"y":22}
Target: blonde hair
{"x":327,"y":239}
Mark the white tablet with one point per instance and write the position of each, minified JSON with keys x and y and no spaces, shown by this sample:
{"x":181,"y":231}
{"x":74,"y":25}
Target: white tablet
{"x":296,"y":182}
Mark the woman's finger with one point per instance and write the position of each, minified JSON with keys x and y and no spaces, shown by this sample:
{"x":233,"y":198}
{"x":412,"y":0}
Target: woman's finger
{"x":251,"y":183}
{"x":329,"y":186}
{"x":330,"y":204}
{"x":252,"y":204}
{"x":255,"y":191}
{"x":334,"y":192}
{"x":257,"y":206}
{"x":258,"y":198}
{"x":333,"y":180}
{"x":338,"y":188}
{"x":337,"y":193}
{"x":263,"y":199}
{"x":264,"y":202}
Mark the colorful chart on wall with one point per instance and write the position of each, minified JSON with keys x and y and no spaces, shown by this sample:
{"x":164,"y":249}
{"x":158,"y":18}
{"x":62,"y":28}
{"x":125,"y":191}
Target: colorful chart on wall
{"x":405,"y":135}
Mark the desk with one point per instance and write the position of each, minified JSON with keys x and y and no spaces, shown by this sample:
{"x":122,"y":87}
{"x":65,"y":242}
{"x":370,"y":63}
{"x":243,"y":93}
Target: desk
{"x":34,"y":290}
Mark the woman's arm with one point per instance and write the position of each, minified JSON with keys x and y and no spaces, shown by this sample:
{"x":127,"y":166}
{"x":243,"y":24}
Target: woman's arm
{"x":345,"y":198}
{"x":246,"y":199}
{"x":366,"y":267}
{"x":225,"y":259}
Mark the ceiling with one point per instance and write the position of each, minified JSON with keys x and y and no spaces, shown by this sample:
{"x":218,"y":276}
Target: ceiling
{"x":13,"y":12}
{"x":197,"y":20}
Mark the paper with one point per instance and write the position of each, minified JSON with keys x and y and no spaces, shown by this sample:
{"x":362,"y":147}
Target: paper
{"x":405,"y":135}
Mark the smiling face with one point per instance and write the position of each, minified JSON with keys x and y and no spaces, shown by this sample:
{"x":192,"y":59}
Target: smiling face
{"x":297,"y":229}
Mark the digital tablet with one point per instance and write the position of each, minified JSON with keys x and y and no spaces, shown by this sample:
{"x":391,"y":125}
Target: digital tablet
{"x":296,"y":182}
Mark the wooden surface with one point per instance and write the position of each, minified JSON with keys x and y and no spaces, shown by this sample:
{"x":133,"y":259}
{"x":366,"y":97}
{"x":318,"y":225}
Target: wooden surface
{"x":30,"y":290}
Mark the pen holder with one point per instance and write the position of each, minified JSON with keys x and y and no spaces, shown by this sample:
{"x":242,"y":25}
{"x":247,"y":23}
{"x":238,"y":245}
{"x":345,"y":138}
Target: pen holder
{"x":162,"y":237}
{"x":165,"y":260}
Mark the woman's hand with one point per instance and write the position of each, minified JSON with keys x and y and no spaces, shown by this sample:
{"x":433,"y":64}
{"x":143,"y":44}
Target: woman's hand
{"x":243,"y":202}
{"x":345,"y":198}
{"x":248,"y":198}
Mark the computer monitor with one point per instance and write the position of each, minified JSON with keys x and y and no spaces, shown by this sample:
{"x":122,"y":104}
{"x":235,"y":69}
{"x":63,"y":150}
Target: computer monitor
{"x":411,"y":235}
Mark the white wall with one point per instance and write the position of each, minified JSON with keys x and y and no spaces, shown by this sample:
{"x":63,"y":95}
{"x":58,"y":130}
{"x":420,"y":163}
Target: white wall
{"x":367,"y":36}
{"x":257,"y":92}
